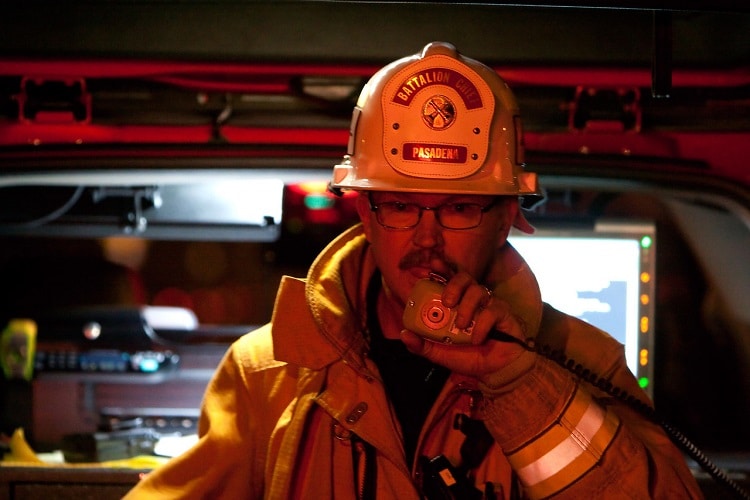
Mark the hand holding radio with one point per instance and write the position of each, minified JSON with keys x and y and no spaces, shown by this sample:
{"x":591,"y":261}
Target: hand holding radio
{"x":451,"y":326}
{"x":427,"y":315}
{"x":450,"y":323}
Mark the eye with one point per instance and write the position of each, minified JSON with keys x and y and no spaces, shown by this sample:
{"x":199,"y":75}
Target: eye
{"x":397,"y":206}
{"x":456,"y":208}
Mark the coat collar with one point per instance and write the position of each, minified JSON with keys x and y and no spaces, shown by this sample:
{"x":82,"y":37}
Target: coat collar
{"x":320,"y":320}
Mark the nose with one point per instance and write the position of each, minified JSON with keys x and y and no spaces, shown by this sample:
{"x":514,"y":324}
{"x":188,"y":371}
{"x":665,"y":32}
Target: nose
{"x":428,"y":233}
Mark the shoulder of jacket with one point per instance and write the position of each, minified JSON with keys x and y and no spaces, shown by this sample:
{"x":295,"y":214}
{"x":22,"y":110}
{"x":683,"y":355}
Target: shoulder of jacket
{"x":581,"y":341}
{"x":254,"y":351}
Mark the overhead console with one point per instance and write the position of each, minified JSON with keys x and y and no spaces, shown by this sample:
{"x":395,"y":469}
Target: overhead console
{"x":162,"y":206}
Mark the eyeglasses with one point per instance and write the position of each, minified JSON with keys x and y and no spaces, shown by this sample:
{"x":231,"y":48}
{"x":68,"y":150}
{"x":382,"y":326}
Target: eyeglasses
{"x":399,"y":215}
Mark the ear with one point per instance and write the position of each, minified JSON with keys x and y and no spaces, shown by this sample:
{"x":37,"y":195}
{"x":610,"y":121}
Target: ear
{"x":364,"y":212}
{"x":522,"y":224}
{"x":513,"y":217}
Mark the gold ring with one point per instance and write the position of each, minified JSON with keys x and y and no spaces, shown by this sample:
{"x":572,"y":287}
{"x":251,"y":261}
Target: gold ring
{"x":486,"y":300}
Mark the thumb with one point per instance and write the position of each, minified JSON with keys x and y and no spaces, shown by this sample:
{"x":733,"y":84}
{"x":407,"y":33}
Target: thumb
{"x":413,"y":342}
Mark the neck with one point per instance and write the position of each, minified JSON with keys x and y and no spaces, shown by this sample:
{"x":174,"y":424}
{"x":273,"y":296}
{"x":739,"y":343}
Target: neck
{"x":390,"y":313}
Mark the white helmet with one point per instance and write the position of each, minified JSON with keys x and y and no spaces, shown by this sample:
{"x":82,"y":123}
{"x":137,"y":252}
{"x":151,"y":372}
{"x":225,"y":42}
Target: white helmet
{"x":436,"y":122}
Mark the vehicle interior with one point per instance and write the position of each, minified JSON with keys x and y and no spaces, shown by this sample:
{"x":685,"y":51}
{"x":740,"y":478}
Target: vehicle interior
{"x":164,"y":164}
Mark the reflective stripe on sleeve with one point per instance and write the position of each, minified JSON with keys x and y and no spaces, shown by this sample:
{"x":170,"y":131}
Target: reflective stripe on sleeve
{"x":568,"y":449}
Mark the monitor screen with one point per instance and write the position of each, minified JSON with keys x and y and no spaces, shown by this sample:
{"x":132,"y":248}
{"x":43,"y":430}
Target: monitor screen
{"x":603,"y":274}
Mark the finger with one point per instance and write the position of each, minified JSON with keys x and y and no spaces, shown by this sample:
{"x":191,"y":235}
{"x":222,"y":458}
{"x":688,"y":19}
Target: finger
{"x":448,"y":355}
{"x":475,"y":299}
{"x":507,"y":322}
{"x":413,"y":342}
{"x":497,"y":316}
{"x":473,"y":360}
{"x":486,"y":299}
{"x":456,"y":289}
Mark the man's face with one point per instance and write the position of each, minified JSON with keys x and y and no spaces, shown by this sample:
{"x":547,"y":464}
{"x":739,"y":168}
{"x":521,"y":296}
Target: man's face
{"x":407,"y":255}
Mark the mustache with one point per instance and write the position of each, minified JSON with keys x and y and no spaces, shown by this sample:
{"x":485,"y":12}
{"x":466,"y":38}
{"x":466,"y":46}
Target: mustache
{"x":425,"y":258}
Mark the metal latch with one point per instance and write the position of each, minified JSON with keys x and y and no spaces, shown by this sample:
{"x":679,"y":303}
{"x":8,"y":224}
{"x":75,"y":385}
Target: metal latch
{"x":143,"y":198}
{"x":54,"y":101}
{"x":606,"y":110}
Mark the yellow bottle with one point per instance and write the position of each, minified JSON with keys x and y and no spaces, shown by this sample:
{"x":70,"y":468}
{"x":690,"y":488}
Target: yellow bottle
{"x":17,"y":349}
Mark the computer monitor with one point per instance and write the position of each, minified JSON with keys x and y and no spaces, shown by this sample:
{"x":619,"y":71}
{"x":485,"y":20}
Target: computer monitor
{"x":604,"y":274}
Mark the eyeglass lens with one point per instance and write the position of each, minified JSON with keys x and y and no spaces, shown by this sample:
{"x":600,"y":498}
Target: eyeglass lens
{"x":450,"y":215}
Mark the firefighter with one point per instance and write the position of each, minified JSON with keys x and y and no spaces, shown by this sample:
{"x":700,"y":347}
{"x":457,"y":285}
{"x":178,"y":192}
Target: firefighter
{"x":337,"y":398}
